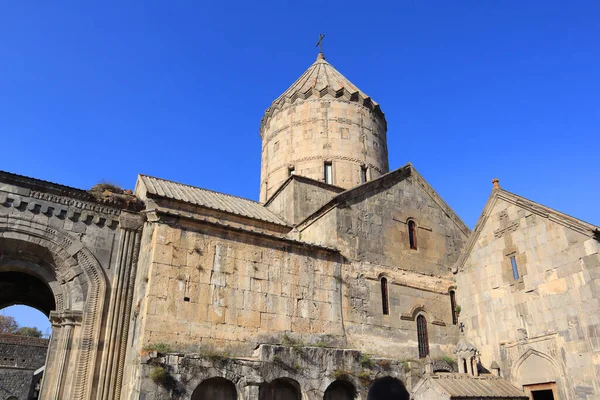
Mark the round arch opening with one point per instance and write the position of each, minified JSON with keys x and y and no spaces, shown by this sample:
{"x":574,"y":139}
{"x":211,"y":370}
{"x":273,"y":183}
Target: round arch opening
{"x":388,"y":388}
{"x":280,"y":389}
{"x":215,"y":389}
{"x":340,"y":390}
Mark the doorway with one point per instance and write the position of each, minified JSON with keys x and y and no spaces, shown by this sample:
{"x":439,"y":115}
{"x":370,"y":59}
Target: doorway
{"x":542,"y":391}
{"x":542,"y":394}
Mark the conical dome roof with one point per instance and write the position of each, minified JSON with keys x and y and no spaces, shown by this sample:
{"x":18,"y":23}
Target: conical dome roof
{"x":319,"y":80}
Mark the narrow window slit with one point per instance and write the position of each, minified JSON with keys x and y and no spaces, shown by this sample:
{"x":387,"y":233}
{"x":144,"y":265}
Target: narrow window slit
{"x":384,"y":297}
{"x":412,"y":234}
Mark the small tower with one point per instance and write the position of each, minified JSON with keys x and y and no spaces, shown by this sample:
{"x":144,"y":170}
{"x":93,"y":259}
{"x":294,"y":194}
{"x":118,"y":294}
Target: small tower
{"x":325,"y":128}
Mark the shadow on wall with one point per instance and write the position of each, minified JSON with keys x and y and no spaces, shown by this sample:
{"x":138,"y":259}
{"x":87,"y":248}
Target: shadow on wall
{"x":388,"y":388}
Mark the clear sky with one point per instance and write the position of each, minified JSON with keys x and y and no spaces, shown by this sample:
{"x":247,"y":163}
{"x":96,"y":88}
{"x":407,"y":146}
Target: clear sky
{"x":471,"y":90}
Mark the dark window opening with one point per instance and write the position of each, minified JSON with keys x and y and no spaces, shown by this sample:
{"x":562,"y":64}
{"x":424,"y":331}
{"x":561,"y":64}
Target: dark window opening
{"x":453,"y":306}
{"x":543,"y":394}
{"x":515,"y":270}
{"x":291,"y":171}
{"x":384,"y":297}
{"x":422,"y":336}
{"x":328,"y":173}
{"x":186,"y":298}
{"x":363,"y":174}
{"x":412,"y":234}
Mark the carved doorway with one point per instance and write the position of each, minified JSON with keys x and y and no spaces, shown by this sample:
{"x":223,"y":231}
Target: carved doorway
{"x":542,"y":391}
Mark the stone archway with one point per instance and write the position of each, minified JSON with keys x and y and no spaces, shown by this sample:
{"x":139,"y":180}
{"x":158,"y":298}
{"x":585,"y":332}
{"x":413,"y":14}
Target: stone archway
{"x":340,"y":390}
{"x":215,"y":389}
{"x":68,"y":274}
{"x":534,"y":367}
{"x":388,"y":388}
{"x":280,"y":389}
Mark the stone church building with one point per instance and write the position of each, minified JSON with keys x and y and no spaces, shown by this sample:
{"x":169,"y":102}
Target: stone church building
{"x":346,"y":281}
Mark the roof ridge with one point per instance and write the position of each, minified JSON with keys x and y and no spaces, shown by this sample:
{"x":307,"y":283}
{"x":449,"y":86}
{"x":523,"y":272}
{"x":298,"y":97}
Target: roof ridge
{"x":502,"y":194}
{"x":200,"y":188}
{"x":554,"y":210}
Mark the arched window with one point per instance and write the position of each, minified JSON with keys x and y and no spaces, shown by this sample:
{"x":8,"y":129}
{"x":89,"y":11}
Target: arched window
{"x":453,"y":306}
{"x":422,"y":336}
{"x":384,"y":297}
{"x":412,"y":234}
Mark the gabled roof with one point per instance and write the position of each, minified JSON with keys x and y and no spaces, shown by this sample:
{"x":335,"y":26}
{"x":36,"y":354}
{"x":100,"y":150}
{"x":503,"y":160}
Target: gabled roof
{"x":389,"y":179}
{"x":546,"y":212}
{"x":463,"y":386}
{"x":157,"y":187}
{"x":321,"y":79}
{"x":303,"y":179}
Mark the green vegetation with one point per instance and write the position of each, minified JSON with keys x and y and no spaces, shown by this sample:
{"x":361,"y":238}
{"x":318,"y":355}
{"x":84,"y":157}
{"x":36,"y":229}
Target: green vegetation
{"x":160,"y":376}
{"x":158,"y":347}
{"x":296,"y":345}
{"x":8,"y":325}
{"x":448,"y":359}
{"x":366,"y":361}
{"x":341,"y":374}
{"x":364,"y":377}
{"x":405,"y":366}
{"x":457,"y":309}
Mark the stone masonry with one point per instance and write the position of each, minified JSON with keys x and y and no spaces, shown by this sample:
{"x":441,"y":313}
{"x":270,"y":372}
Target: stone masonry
{"x":20,"y":357}
{"x":347,"y":281}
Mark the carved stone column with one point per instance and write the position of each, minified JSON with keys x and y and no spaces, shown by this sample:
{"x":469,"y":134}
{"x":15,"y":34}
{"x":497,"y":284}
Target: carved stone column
{"x":63,"y":325}
{"x":119,"y":311}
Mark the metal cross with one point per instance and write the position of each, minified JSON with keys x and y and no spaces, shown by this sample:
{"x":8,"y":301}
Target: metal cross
{"x":461,"y":326}
{"x":320,"y":42}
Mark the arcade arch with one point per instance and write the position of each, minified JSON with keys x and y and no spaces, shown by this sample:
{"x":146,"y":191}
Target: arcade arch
{"x":216,"y":388}
{"x":388,"y":388}
{"x":52,"y":272}
{"x":340,"y":390}
{"x":280,"y":389}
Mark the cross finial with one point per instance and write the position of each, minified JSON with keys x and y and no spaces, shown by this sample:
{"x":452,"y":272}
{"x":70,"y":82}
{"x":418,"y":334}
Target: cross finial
{"x":461,"y":326}
{"x":320,"y":43}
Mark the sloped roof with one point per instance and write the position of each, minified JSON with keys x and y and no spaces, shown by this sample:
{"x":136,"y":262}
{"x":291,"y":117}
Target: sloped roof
{"x":553,"y":215}
{"x":157,"y":187}
{"x":464,"y":386}
{"x":390,"y":178}
{"x":320,"y":79}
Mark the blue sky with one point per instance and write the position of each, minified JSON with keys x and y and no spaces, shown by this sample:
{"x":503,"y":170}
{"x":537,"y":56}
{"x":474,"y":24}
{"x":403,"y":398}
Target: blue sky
{"x":471,"y":90}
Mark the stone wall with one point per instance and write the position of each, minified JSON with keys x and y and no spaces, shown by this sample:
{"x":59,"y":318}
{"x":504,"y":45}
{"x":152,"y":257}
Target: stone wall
{"x":299,"y":198}
{"x":83,"y":251}
{"x":20,"y":357}
{"x":369,"y":223}
{"x":211,"y":286}
{"x":543,"y":325}
{"x":308,"y":370}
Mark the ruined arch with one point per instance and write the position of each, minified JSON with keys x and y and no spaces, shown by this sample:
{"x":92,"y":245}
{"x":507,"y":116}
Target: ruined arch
{"x":215,"y":388}
{"x":388,"y":388}
{"x":535,"y":367}
{"x":76,"y":281}
{"x":280,"y":389}
{"x":340,"y":390}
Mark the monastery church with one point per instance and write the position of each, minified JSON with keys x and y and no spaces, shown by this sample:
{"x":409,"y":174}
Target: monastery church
{"x":346,"y":281}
